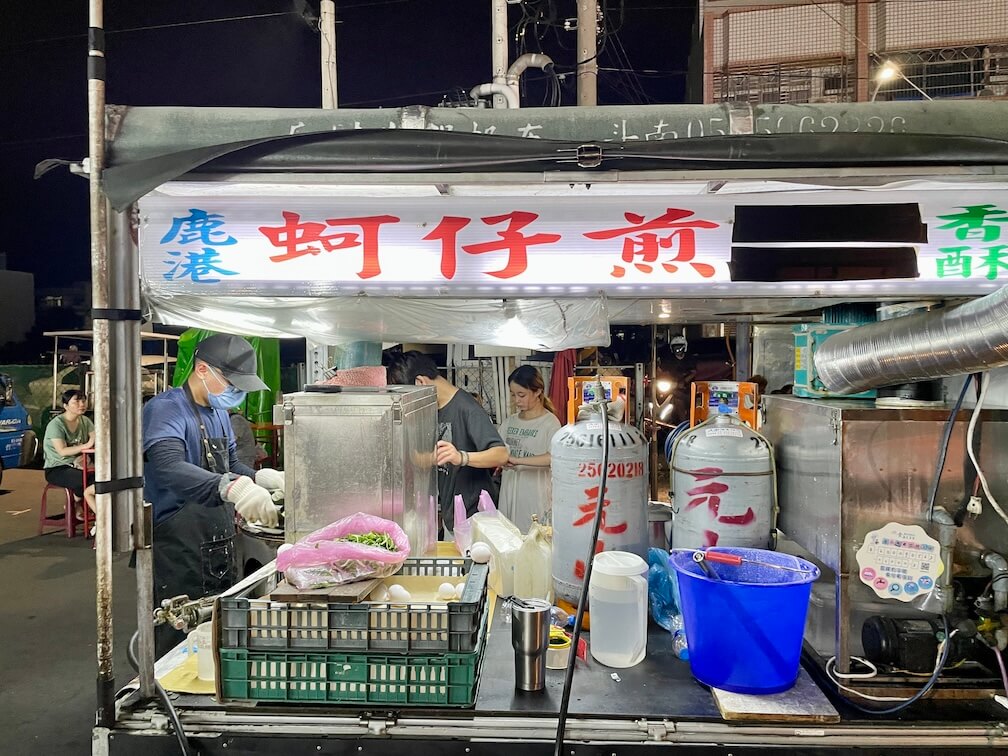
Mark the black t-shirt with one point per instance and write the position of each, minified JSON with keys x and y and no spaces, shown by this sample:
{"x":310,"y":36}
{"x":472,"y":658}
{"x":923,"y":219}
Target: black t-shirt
{"x":467,"y":425}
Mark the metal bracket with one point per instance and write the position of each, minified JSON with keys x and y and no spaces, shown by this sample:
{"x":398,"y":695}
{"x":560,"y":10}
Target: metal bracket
{"x":378,"y":726}
{"x":288,"y":413}
{"x":589,"y":155}
{"x":657,"y":731}
{"x":834,"y":424}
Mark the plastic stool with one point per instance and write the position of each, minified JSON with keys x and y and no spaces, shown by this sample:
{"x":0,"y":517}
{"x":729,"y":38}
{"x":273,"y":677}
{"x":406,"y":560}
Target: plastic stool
{"x":67,"y":518}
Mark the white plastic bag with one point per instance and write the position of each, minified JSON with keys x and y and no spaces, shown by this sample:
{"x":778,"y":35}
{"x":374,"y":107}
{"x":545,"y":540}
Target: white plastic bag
{"x":463,"y":527}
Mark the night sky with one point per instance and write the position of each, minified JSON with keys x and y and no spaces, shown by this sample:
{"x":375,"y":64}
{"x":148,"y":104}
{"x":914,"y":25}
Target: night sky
{"x":389,"y":53}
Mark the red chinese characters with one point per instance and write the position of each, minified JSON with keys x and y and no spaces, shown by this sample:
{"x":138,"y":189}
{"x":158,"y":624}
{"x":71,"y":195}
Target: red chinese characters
{"x":587,"y":516}
{"x":298,"y":238}
{"x":511,"y":239}
{"x":709,"y":492}
{"x":647,"y":239}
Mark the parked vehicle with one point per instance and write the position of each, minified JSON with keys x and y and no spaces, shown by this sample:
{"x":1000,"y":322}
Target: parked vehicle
{"x":18,"y":442}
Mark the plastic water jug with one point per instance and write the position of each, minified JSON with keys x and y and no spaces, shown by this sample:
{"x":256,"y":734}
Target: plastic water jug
{"x":618,"y":595}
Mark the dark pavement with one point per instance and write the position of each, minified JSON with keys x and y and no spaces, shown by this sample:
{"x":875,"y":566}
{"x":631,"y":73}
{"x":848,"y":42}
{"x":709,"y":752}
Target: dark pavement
{"x":48,"y":666}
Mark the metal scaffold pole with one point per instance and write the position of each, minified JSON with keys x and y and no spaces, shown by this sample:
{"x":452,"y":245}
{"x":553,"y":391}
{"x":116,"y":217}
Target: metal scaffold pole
{"x":99,"y":297}
{"x":587,"y":52}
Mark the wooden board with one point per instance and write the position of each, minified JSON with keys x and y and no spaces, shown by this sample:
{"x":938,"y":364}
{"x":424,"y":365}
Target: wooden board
{"x":803,"y":703}
{"x":348,"y":593}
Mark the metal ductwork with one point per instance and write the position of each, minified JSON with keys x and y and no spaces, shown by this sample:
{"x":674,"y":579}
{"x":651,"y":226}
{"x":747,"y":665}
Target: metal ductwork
{"x":937,"y":344}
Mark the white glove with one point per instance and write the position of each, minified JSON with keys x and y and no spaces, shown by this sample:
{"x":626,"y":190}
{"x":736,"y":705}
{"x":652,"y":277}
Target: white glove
{"x":253,"y":502}
{"x":271,"y":480}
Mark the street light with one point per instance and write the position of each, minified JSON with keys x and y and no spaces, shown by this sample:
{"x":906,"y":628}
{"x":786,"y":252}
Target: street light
{"x":890,"y":71}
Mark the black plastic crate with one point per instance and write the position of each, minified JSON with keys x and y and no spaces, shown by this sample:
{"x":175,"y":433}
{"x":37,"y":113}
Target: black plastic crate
{"x":248,"y":621}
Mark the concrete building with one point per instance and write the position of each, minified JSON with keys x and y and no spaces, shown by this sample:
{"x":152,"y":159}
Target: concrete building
{"x":810,"y":51}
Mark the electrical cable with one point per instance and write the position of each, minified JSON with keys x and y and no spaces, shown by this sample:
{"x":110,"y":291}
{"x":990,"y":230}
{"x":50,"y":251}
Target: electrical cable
{"x":163,"y":695}
{"x":943,"y":652}
{"x":582,"y":599}
{"x":943,"y":448}
{"x":984,"y":385}
{"x":1001,"y":664}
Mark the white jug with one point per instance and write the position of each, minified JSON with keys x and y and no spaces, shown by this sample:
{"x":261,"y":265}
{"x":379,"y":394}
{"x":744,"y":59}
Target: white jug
{"x":618,"y":599}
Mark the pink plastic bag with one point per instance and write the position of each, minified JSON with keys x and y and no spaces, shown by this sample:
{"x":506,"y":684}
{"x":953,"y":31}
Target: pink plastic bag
{"x":321,"y":559}
{"x":463,"y":528}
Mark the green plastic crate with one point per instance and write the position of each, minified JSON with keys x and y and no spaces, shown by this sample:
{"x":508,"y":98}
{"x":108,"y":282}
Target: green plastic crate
{"x":248,"y":621}
{"x":402,"y":680}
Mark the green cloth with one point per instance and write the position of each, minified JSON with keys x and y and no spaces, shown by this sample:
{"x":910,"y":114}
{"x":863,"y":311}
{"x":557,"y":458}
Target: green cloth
{"x":57,"y":428}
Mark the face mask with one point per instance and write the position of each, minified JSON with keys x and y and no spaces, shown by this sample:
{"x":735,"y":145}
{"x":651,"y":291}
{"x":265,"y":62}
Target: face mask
{"x":226,"y":399}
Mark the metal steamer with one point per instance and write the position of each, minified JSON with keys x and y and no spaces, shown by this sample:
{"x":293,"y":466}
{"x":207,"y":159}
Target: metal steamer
{"x":576,"y":451}
{"x":722,"y":486}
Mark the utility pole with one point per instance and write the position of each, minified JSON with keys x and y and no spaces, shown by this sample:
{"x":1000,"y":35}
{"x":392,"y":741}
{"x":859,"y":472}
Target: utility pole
{"x":499,"y":47}
{"x":587,"y":52}
{"x":327,"y":28}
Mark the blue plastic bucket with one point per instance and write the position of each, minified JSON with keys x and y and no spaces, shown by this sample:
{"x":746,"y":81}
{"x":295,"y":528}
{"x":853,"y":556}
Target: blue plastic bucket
{"x":745,"y":630}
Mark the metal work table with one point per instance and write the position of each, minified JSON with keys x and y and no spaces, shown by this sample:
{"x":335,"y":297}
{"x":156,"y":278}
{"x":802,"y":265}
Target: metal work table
{"x":655,"y":703}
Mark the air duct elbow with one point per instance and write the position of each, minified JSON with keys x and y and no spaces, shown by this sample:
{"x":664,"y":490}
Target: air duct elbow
{"x":486,"y":90}
{"x":524,"y":62}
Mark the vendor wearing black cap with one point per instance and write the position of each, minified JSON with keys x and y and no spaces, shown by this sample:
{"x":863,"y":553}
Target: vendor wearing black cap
{"x":194,"y":481}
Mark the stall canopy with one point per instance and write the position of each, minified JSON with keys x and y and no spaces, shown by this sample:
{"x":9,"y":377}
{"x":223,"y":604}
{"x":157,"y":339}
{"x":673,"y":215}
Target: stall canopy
{"x":513,"y":227}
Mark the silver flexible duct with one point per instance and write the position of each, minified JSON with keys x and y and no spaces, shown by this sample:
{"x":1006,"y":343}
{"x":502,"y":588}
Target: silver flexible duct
{"x":959,"y":340}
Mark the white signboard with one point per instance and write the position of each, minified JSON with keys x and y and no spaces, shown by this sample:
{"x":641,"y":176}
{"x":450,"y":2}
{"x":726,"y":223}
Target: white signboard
{"x":285,"y":243}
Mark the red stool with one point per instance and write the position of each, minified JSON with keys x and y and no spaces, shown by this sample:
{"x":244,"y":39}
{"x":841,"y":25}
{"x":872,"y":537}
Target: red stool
{"x":68,"y":516}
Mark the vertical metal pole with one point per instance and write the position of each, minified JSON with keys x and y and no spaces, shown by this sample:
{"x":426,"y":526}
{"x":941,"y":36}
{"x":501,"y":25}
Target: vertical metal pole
{"x":743,"y":350}
{"x":99,"y":298}
{"x":128,"y":521}
{"x":587,"y":53}
{"x":862,"y":68}
{"x":327,"y":27}
{"x":55,"y":370}
{"x":654,"y":412}
{"x":499,"y":47}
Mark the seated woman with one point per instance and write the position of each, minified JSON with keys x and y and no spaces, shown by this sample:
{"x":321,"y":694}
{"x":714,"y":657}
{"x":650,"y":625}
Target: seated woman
{"x":66,"y":437}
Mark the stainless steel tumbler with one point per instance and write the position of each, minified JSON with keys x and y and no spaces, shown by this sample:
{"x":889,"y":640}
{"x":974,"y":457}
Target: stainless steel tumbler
{"x":530,"y":624}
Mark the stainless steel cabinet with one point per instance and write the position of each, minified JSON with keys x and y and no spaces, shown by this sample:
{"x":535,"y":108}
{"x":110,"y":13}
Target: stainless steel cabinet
{"x":361,"y":449}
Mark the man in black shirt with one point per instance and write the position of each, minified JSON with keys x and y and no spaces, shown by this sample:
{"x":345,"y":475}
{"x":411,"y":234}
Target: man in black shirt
{"x":469,"y":446}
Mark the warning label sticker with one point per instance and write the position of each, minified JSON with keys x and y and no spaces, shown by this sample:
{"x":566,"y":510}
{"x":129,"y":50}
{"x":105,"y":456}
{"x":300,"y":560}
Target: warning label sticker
{"x":737,"y":432}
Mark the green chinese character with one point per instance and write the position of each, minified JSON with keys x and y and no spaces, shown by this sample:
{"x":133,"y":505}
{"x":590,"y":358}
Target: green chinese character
{"x":995,"y":259}
{"x":955,"y":262}
{"x":977,"y":222}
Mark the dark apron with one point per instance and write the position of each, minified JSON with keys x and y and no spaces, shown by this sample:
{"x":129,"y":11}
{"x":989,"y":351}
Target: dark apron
{"x":194,"y":549}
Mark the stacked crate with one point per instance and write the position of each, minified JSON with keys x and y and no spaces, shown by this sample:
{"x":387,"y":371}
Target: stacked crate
{"x":413,"y":654}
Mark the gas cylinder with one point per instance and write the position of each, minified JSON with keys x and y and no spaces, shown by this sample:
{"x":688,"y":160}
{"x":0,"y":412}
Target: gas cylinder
{"x":576,"y":452}
{"x":722,"y":486}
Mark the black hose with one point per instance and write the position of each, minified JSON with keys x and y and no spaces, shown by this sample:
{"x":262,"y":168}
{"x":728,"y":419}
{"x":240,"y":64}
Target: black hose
{"x":589,"y":561}
{"x":943,"y":451}
{"x":163,"y":695}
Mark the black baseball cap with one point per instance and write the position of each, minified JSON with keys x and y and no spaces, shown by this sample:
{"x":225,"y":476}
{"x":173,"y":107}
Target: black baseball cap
{"x":234,"y":358}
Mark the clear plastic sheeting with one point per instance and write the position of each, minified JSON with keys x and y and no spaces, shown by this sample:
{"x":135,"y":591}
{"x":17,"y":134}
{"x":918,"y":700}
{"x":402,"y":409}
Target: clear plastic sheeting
{"x":541,"y":324}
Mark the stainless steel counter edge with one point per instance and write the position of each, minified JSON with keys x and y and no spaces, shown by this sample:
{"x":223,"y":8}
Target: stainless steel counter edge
{"x":537,"y":729}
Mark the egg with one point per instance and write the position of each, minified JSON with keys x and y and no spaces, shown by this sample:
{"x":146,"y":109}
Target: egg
{"x":459,"y":590}
{"x":380,"y":593}
{"x":397,"y":594}
{"x":479,"y":552}
{"x":446,"y":592}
